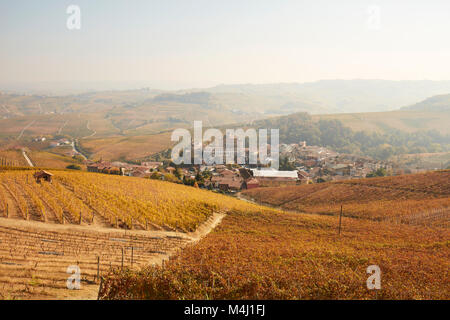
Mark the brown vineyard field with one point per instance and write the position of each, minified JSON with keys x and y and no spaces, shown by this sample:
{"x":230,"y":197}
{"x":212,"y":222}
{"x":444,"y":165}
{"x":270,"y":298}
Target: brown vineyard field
{"x":269,"y":255}
{"x":84,"y":219}
{"x":393,"y":198}
{"x":256,"y":252}
{"x":34,"y":257}
{"x":128,"y":148}
{"x":109,"y":201}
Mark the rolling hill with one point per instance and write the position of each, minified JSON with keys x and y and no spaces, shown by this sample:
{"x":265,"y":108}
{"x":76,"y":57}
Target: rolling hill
{"x":270,"y":254}
{"x":440,"y":103}
{"x":255,"y":252}
{"x":432,"y":113}
{"x":397,"y":198}
{"x":110,"y":123}
{"x":406,"y":120}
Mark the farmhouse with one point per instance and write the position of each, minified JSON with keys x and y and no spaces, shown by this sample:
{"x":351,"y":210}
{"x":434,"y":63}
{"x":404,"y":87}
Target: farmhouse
{"x":47,"y":176}
{"x":252,"y":183}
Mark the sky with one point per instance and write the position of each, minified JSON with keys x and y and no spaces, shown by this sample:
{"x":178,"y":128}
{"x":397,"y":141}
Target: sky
{"x":201,"y":43}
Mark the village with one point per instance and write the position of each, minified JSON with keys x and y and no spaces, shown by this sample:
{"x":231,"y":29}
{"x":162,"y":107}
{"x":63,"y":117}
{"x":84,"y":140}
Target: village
{"x":299,"y":164}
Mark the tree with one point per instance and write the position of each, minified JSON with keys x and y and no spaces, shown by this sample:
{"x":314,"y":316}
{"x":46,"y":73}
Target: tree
{"x":381,"y":172}
{"x":285,"y":165}
{"x":73,"y":167}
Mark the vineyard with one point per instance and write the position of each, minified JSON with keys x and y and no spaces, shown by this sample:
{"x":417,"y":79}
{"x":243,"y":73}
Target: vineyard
{"x":395,"y":198}
{"x":108,"y":201}
{"x":12,"y":158}
{"x":120,"y":228}
{"x":268,"y":255}
{"x":34,"y":257}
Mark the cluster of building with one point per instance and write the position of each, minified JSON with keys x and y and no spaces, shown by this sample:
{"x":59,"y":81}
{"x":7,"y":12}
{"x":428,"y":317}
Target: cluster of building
{"x":144,"y":170}
{"x":311,"y":164}
{"x":60,"y":142}
{"x":236,"y":179}
{"x":322,"y":164}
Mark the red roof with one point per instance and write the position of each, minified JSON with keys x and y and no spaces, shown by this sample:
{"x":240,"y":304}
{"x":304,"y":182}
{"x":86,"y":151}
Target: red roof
{"x":252,"y":181}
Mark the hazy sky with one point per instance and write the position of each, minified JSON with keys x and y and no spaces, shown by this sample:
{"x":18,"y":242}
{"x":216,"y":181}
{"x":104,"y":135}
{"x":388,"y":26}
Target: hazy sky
{"x":173,"y":44}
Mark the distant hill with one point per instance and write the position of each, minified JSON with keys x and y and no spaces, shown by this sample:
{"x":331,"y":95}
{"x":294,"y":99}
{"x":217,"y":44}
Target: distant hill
{"x":145,"y":112}
{"x":234,"y":101}
{"x":333,"y":133}
{"x":432,"y":113}
{"x":440,"y":103}
{"x":330,"y":96}
{"x":387,"y":121}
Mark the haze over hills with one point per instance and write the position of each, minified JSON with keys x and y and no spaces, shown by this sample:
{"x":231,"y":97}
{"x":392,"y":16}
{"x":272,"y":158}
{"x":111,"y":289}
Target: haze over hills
{"x":331,"y":96}
{"x":430,"y":114}
{"x":141,"y":119}
{"x":250,"y":100}
{"x":439,"y":103}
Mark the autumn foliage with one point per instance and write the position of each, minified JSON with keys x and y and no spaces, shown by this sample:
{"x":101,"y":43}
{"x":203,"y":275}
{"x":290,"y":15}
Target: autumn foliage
{"x":374,"y":198}
{"x":269,"y":255}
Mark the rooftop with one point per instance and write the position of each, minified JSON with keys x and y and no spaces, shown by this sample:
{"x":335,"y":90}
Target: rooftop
{"x":275,"y":174}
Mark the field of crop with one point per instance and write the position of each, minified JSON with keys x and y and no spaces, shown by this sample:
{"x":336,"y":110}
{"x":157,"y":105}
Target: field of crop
{"x":82,"y":217}
{"x":374,"y":198}
{"x":272,"y":255}
{"x":51,"y":160}
{"x":12,"y":158}
{"x":34,"y":258}
{"x":126,"y":148}
{"x":109,"y":201}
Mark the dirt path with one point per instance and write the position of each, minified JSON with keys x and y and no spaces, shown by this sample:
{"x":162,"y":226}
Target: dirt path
{"x":89,"y":128}
{"x":25,"y":128}
{"x":30,"y":163}
{"x":63,"y":126}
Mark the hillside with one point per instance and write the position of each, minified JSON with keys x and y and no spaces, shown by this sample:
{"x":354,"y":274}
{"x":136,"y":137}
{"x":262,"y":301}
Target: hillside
{"x":97,"y":222}
{"x":440,"y":103}
{"x":108,"y":201}
{"x":405,"y":120}
{"x":396,"y":198}
{"x":126,"y":148}
{"x":273,"y":255}
{"x":432,"y":113}
{"x":337,"y":136}
{"x":147,"y":110}
{"x":330,"y":96}
{"x":109,"y":124}
{"x":282,"y":255}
